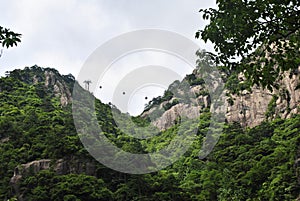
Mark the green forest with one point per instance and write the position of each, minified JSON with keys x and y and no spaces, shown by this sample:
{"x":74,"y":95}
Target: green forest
{"x":247,"y":163}
{"x":43,"y":158}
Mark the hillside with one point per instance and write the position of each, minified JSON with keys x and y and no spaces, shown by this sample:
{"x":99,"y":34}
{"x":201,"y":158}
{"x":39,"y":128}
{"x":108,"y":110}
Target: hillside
{"x":43,"y":158}
{"x":246,"y":105}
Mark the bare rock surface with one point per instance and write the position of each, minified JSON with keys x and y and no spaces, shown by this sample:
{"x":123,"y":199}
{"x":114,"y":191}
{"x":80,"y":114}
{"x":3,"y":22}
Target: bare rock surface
{"x":249,"y":108}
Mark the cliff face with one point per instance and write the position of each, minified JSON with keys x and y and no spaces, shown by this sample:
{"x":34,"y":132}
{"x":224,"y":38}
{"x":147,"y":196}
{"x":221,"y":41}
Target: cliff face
{"x":61,"y":167}
{"x":53,"y":83}
{"x":60,"y":88}
{"x":169,"y":117}
{"x":249,"y":107}
{"x":189,"y":110}
{"x":37,"y":133}
{"x":252,"y":107}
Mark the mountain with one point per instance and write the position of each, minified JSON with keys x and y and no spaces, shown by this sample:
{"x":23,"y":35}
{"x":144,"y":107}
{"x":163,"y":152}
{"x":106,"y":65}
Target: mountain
{"x":247,"y":105}
{"x":257,"y":156}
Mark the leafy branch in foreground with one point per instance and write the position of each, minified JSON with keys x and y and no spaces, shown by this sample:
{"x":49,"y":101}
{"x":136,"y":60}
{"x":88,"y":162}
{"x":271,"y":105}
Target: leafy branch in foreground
{"x":259,"y":38}
{"x":9,"y":38}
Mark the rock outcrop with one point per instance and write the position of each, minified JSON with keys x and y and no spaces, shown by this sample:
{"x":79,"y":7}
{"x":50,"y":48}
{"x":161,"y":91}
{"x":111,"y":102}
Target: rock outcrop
{"x":180,"y":110}
{"x":61,"y":167}
{"x":59,"y":85}
{"x":249,"y":108}
{"x":60,"y":88}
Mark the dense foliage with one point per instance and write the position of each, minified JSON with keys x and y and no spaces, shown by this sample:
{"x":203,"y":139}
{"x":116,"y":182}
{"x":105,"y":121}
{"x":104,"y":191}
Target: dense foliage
{"x":9,"y":38}
{"x":260,"y":38}
{"x":246,"y":164}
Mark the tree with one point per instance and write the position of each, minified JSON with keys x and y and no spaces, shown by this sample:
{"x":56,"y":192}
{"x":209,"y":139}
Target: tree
{"x":87,"y":84}
{"x":9,"y":38}
{"x":260,"y":38}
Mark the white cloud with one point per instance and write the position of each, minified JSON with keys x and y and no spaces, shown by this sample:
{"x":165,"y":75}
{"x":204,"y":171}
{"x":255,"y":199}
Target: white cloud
{"x":62,"y":34}
{"x":69,"y":30}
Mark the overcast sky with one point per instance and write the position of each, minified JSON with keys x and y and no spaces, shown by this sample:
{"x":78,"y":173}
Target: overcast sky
{"x":61,"y":34}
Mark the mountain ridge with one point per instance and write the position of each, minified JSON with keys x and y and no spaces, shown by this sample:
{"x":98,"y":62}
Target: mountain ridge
{"x":41,"y":148}
{"x":247,"y":105}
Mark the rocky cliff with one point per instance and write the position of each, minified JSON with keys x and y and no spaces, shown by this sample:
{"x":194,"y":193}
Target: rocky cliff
{"x":49,"y":79}
{"x":249,"y":107}
{"x":252,"y":107}
{"x":61,"y":167}
{"x":37,"y":133}
{"x":60,"y":88}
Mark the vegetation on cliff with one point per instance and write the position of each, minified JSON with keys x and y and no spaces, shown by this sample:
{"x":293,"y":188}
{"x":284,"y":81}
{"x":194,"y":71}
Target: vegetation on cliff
{"x":246,"y":164}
